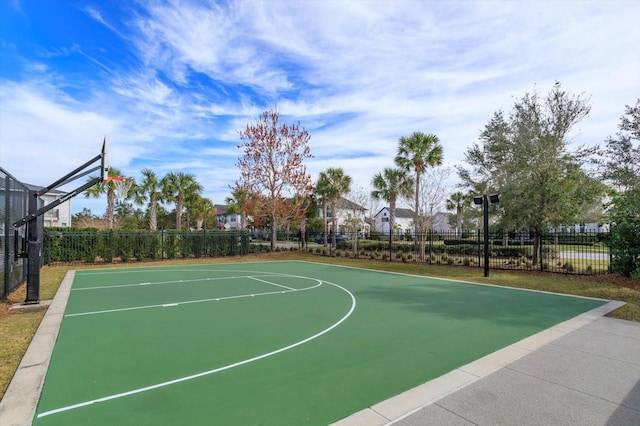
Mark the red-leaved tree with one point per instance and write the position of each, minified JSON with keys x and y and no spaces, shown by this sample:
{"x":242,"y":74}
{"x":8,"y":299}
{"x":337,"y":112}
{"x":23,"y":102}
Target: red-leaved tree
{"x":272,"y":171}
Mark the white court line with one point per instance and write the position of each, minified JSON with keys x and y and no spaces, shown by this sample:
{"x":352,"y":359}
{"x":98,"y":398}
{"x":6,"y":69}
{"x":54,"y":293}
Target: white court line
{"x":269,"y":282}
{"x":213,"y":299}
{"x":216,"y":370}
{"x":165,"y":282}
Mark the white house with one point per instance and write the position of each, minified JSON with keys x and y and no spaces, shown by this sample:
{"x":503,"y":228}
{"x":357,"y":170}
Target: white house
{"x":403,"y":220}
{"x":439,"y":222}
{"x":348,"y":214}
{"x":61,"y":214}
{"x":226,"y":220}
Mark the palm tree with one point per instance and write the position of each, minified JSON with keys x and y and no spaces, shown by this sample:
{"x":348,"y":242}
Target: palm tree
{"x":332,"y":184}
{"x":239,"y":197}
{"x":150,"y":191}
{"x":457,"y":201}
{"x":391,"y":184}
{"x":418,"y":152}
{"x":177,"y":188}
{"x":200,"y":207}
{"x":109,"y":188}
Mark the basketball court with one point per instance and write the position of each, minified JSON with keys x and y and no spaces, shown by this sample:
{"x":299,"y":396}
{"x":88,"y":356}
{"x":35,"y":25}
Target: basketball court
{"x":272,"y":342}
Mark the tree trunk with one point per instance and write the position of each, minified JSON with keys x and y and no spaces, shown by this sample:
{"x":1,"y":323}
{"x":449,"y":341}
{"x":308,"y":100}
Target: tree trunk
{"x":326,"y":227}
{"x":274,"y":233}
{"x":179,"y":205}
{"x":537,"y":248}
{"x":334,"y":229}
{"x":153,"y":216}
{"x":110,"y":207}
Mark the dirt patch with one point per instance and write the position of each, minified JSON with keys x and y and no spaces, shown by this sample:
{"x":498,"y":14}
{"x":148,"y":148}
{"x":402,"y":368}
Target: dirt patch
{"x":17,"y":296}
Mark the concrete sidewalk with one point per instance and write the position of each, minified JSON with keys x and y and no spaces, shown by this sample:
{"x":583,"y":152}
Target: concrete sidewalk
{"x":586,"y":376}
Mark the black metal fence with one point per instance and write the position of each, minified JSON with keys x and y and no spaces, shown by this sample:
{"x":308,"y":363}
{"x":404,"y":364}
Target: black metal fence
{"x":13,"y":207}
{"x":573,"y":253}
{"x":93,"y":246}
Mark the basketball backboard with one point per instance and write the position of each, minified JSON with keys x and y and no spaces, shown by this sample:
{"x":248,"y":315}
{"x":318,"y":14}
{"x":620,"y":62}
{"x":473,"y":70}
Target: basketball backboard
{"x":104,"y":161}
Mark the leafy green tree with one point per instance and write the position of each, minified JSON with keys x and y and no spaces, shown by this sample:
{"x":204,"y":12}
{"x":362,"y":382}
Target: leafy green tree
{"x":84,"y":215}
{"x":526,"y":158}
{"x":199,"y":208}
{"x":333,"y":183}
{"x":620,"y":167}
{"x":238,"y":198}
{"x":179,"y":188}
{"x":149,"y":191}
{"x":389,"y":185}
{"x":417,"y":153}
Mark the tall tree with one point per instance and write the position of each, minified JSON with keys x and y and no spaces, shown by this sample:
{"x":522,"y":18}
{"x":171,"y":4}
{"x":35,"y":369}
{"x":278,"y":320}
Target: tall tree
{"x":272,"y":169}
{"x":178,"y":188}
{"x":620,"y":167}
{"x":526,"y":158}
{"x":108,"y":188}
{"x":457,"y":202}
{"x":199,"y":208}
{"x":238,"y":198}
{"x":390,"y":185}
{"x":333,"y":183}
{"x":417,"y":153}
{"x":150,"y":191}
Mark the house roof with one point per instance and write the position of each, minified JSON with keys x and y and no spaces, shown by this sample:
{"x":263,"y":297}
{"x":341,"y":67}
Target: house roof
{"x":344,"y":204}
{"x":221,"y":209}
{"x":400,"y":212}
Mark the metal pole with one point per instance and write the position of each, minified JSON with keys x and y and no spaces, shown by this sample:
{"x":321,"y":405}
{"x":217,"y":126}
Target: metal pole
{"x":34,"y":250}
{"x":485,"y":207}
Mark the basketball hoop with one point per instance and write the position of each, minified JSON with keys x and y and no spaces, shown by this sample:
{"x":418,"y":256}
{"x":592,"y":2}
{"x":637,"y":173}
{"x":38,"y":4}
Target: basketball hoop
{"x":122,"y":186}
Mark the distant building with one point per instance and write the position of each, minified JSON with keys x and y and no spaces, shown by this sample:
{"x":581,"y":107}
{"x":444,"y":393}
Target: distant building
{"x":403,"y":224}
{"x":58,"y":216}
{"x":226,"y":220}
{"x":403,"y":220}
{"x":348,"y":214}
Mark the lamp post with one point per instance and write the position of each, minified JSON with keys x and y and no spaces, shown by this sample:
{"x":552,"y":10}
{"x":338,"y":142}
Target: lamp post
{"x":484,"y":201}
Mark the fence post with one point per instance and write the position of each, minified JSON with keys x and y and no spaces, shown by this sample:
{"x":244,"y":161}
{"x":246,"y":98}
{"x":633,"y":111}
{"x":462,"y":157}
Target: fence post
{"x":478,"y":245}
{"x":541,"y":251}
{"x":162,"y":244}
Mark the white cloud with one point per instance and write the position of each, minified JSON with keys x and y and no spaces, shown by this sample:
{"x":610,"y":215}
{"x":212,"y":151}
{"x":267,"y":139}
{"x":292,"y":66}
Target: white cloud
{"x":357,"y":75}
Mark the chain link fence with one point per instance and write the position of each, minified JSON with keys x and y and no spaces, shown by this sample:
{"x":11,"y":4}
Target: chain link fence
{"x":14,"y":197}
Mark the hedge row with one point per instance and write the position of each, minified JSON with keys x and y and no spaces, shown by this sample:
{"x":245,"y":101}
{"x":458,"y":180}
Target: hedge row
{"x":92,"y":245}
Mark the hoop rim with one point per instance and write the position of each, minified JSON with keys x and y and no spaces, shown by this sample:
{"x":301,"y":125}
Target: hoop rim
{"x":118,"y":179}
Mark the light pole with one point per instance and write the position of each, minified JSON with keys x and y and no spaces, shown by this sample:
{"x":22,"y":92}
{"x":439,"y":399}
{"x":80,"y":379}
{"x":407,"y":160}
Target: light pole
{"x":484,"y":201}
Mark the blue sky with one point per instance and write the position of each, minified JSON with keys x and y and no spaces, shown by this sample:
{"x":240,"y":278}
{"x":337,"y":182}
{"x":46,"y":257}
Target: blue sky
{"x":172,"y":83}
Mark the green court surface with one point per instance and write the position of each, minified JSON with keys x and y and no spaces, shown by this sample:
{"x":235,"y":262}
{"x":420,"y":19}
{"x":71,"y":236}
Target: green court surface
{"x":272,"y":343}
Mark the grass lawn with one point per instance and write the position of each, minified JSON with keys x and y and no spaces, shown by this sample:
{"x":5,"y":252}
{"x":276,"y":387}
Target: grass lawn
{"x":17,"y":329}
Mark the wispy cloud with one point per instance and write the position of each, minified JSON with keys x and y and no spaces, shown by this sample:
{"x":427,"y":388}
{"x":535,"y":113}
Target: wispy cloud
{"x":173,"y":83}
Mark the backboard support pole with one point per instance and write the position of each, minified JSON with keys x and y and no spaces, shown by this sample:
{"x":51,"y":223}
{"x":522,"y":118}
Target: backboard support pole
{"x":34,"y":232}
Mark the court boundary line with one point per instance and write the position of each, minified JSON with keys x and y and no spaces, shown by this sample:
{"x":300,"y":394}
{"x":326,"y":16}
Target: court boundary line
{"x":216,"y":370}
{"x":18,"y":406}
{"x":212,"y":299}
{"x":453,"y":280}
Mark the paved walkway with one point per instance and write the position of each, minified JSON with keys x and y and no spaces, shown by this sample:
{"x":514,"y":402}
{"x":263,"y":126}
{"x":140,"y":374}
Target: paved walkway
{"x":582,"y":372}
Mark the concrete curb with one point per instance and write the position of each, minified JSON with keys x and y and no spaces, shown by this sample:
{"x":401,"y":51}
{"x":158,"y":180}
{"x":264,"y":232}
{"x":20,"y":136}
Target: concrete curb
{"x":18,"y":406}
